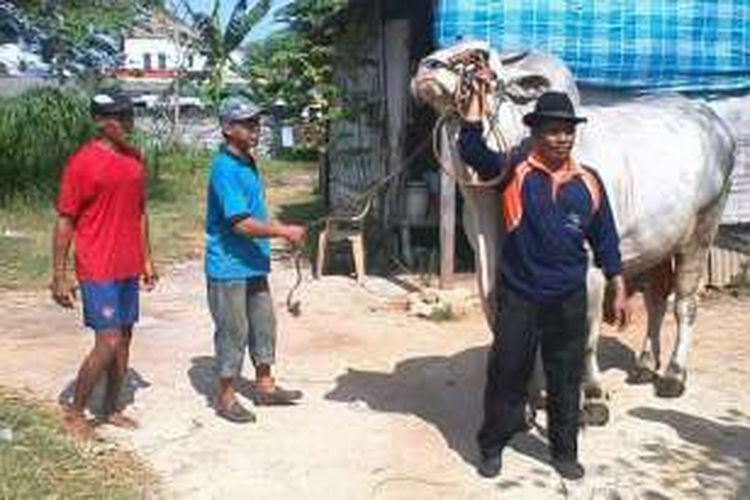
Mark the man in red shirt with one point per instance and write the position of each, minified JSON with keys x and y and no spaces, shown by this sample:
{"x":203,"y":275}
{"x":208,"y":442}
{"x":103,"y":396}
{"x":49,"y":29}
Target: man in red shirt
{"x":101,"y":207}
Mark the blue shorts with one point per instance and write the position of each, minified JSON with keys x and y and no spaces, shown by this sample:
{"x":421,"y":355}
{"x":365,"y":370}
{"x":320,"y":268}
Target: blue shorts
{"x":110,"y":305}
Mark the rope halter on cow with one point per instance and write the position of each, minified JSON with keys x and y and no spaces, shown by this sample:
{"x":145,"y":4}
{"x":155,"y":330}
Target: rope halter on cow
{"x":472,"y":68}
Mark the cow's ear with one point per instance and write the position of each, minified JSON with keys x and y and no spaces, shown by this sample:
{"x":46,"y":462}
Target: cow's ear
{"x":525,"y":87}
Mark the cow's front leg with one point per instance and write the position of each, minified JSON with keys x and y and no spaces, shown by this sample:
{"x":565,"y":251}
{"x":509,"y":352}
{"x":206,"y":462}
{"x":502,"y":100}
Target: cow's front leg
{"x":595,"y":409}
{"x":658,"y":287}
{"x":688,"y":269}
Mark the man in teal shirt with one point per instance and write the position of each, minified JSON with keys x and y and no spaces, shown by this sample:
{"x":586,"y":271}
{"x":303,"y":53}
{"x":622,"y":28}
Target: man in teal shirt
{"x":238,"y":260}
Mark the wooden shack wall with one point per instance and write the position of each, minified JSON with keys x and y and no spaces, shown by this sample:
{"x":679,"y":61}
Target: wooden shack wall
{"x":356,"y":152}
{"x":376,"y":54}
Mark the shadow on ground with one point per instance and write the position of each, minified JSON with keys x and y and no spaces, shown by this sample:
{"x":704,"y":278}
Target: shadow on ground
{"x":613,"y":354}
{"x":443,"y":391}
{"x":447,"y":391}
{"x":133,"y":382}
{"x":202,"y":374}
{"x":717,"y":454}
{"x":202,"y":377}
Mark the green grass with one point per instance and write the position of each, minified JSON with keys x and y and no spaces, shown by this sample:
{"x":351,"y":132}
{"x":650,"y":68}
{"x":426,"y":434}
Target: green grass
{"x":276,"y":172}
{"x":176,"y":206}
{"x":176,"y":211}
{"x":299,"y":204}
{"x":25,"y":242}
{"x":38,"y":460}
{"x":442,"y":313}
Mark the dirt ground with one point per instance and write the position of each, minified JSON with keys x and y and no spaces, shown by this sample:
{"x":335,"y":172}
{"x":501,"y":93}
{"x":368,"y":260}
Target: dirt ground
{"x":392,"y":401}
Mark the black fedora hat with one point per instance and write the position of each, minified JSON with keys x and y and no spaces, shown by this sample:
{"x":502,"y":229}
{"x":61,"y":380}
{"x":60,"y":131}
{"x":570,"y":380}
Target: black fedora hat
{"x":552,"y":106}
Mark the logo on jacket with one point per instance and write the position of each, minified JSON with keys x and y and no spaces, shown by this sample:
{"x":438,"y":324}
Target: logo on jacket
{"x":573,"y":222}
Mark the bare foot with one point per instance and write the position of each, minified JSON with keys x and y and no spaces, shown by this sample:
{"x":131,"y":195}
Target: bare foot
{"x":265,"y":384}
{"x":122,"y":421}
{"x":76,"y":424}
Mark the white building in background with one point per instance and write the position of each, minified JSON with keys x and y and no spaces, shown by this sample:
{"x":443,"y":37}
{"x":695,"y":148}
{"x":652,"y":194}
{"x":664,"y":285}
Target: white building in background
{"x":159,"y":57}
{"x":162,"y":67}
{"x":160,"y":46}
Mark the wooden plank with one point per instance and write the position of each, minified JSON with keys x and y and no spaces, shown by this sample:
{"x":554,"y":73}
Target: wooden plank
{"x":396,"y":57}
{"x":447,"y":215}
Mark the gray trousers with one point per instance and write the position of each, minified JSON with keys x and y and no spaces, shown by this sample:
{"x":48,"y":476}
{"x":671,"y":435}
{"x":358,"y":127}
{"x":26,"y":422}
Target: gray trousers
{"x":244,"y":318}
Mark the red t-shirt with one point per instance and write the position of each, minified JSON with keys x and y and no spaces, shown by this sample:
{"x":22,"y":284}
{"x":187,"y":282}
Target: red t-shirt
{"x":103,"y":190}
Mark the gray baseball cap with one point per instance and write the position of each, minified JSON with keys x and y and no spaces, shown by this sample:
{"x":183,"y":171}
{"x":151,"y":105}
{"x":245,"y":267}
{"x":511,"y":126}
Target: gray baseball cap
{"x":236,"y":108}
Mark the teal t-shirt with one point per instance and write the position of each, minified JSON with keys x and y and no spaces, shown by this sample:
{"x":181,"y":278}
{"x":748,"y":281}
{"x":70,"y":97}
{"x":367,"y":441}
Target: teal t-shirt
{"x":235,"y":191}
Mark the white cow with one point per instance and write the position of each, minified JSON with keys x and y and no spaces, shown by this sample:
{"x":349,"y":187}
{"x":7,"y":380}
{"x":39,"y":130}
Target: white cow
{"x":665,"y":163}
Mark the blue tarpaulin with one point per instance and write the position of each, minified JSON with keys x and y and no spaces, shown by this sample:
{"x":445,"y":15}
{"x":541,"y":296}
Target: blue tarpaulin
{"x":685,"y":45}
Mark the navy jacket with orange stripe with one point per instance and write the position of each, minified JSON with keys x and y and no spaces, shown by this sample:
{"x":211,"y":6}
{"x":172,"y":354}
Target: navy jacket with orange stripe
{"x":548,"y":216}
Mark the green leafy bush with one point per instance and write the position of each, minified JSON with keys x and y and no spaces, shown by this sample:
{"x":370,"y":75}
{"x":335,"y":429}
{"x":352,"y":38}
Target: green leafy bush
{"x":39,"y":130}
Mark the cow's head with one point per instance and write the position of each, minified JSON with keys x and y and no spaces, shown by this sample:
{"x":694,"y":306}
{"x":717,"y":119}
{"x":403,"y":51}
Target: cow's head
{"x":441,"y":75}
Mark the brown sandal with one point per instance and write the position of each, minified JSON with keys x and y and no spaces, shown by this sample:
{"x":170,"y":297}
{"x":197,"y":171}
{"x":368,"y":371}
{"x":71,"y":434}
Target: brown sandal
{"x":276,"y":397}
{"x":237,"y":414}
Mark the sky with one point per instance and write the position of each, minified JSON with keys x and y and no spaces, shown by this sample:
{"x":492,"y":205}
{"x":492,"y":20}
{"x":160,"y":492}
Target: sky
{"x":266,"y":26}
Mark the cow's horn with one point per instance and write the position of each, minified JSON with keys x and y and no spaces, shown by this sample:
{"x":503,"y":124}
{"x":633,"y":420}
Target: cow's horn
{"x":514,"y":58}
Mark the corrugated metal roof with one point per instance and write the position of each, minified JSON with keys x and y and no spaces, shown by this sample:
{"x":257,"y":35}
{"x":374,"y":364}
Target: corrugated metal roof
{"x":737,"y":209}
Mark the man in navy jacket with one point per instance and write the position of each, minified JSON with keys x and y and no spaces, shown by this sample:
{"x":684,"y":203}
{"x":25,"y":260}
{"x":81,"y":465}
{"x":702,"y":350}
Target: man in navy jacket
{"x":552,"y":207}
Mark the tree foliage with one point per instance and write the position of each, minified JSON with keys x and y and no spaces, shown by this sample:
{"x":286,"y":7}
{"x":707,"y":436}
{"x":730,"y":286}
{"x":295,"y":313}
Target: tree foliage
{"x":313,"y":18}
{"x":217,"y":44}
{"x":296,"y":65}
{"x":76,"y":37}
{"x":76,"y":19}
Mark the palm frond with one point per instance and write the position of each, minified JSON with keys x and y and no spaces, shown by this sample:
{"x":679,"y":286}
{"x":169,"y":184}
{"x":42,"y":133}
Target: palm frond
{"x":206,"y":28}
{"x":238,"y":11}
{"x":209,"y":36}
{"x":243,"y":21}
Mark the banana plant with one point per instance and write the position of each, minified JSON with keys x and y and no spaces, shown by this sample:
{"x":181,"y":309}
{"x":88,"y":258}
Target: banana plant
{"x":217,"y":44}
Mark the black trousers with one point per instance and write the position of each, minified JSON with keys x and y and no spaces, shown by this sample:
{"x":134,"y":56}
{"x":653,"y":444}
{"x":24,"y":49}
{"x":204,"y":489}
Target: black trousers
{"x":561,"y":329}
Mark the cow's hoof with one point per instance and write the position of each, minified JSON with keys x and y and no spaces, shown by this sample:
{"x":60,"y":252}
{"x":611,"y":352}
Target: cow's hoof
{"x":672,"y":384}
{"x":595,"y":413}
{"x":529,"y":419}
{"x":641,"y":376}
{"x":593,"y":391}
{"x":644,"y":371}
{"x":538,"y":400}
